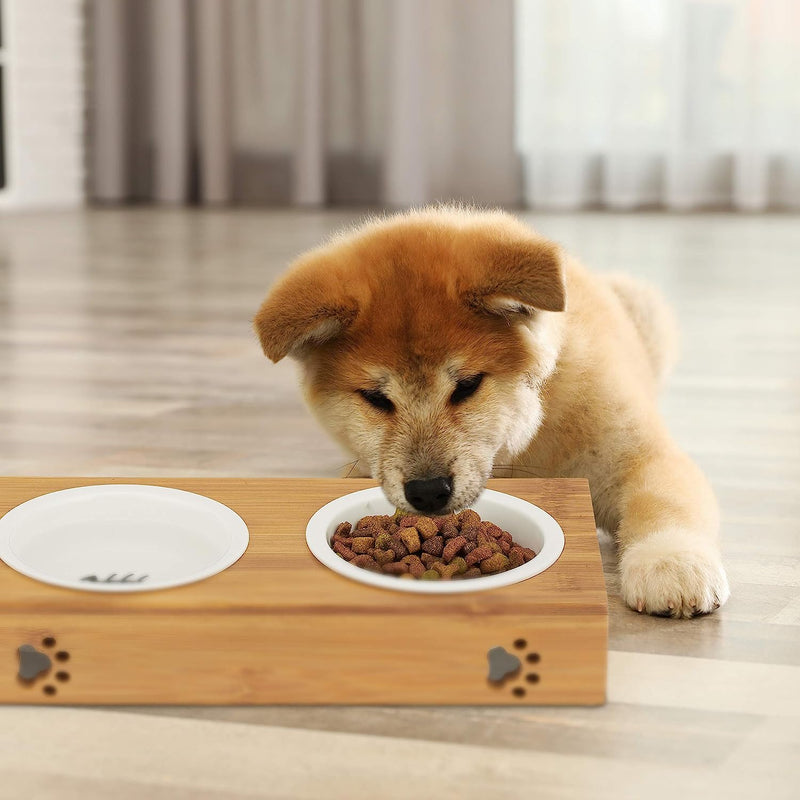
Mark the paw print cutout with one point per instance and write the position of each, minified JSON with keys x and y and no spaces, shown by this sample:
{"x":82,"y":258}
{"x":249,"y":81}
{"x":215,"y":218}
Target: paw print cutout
{"x":502,"y":665}
{"x":34,"y":663}
{"x":506,"y":667}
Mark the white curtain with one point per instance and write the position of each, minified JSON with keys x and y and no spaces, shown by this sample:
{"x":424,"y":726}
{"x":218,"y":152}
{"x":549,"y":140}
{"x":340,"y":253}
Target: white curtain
{"x":676,"y":103}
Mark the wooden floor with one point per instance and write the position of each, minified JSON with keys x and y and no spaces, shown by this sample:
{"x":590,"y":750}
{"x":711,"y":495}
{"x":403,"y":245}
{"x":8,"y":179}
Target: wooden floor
{"x":125,"y":349}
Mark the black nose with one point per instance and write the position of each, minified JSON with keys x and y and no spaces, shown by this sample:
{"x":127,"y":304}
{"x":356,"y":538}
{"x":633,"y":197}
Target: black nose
{"x":430,"y":494}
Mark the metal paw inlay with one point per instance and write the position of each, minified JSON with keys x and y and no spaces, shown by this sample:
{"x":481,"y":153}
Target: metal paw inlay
{"x":502,"y":664}
{"x":32,"y":662}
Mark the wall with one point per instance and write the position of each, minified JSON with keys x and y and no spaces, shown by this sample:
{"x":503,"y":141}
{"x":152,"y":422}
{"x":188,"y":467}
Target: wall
{"x":44,"y":108}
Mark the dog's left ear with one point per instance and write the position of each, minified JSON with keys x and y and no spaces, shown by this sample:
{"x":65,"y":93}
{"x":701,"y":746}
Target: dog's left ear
{"x":518,"y":276}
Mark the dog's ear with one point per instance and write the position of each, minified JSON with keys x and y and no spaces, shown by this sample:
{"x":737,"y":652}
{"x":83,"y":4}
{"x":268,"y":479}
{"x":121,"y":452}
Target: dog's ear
{"x":308,"y":306}
{"x":518,"y":276}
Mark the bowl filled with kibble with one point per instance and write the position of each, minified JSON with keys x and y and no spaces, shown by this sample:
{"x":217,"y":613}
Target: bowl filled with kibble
{"x":498,"y":541}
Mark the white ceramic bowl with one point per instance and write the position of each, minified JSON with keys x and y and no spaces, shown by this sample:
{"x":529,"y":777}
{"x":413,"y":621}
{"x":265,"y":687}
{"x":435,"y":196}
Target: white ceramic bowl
{"x":121,"y":538}
{"x":528,"y":524}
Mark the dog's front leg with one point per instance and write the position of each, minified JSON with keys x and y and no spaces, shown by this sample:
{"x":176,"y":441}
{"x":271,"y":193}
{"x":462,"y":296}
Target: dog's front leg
{"x":668,"y":535}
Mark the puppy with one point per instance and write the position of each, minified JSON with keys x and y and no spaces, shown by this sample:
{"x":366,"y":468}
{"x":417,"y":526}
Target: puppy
{"x":442,"y":343}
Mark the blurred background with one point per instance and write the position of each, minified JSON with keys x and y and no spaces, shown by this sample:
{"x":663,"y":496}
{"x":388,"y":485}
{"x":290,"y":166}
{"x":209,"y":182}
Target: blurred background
{"x":162,"y":161}
{"x":558,"y":104}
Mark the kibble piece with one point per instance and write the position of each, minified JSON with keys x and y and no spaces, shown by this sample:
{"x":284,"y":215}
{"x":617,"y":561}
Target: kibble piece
{"x":468,"y":548}
{"x":450,"y":525}
{"x":473,"y":572}
{"x":469,"y":517}
{"x":366,"y":562}
{"x":343,"y":529}
{"x":347,"y":541}
{"x":460,"y":565}
{"x":367,"y":530}
{"x":470,"y":532}
{"x":439,"y":566}
{"x":527,"y":553}
{"x":495,"y":563}
{"x":452,"y":548}
{"x":428,"y":558}
{"x":449,"y":572}
{"x":415,"y":566}
{"x":505,"y":547}
{"x":344,"y":551}
{"x":486,"y":540}
{"x":399,"y":547}
{"x":362,"y":544}
{"x":367,"y":521}
{"x":383,"y":541}
{"x":410,"y":539}
{"x":515,"y":557}
{"x":478,"y":554}
{"x":449,"y":529}
{"x":426,"y":527}
{"x":382,"y":556}
{"x":430,"y":575}
{"x":434,"y":545}
{"x":396,"y":568}
{"x":408,"y":521}
{"x":495,"y":531}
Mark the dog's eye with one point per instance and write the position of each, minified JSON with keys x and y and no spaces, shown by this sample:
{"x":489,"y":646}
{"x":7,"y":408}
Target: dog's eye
{"x":377,"y":399}
{"x":465,"y":388}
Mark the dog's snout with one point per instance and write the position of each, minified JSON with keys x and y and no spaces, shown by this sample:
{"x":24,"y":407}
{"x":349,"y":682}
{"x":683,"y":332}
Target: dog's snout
{"x":429,"y":494}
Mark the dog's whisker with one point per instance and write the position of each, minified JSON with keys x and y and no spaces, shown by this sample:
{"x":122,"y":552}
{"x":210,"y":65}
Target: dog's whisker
{"x":354,"y":465}
{"x":517,"y":468}
{"x":351,"y":464}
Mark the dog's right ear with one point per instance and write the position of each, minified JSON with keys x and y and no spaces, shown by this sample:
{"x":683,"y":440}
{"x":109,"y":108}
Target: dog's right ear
{"x":308,"y":306}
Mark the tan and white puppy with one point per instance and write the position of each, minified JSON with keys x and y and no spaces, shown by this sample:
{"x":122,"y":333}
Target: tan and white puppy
{"x":438,"y":344}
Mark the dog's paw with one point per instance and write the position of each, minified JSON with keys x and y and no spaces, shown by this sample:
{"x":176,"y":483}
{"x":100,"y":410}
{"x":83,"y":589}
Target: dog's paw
{"x":671,"y":573}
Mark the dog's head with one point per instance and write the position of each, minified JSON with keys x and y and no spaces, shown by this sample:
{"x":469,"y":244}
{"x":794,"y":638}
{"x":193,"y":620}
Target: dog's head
{"x":424,"y":340}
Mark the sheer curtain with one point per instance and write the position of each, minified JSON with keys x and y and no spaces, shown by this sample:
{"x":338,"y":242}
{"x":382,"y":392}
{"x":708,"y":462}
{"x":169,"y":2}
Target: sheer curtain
{"x":308,"y":102}
{"x":676,"y":103}
{"x":616,"y":103}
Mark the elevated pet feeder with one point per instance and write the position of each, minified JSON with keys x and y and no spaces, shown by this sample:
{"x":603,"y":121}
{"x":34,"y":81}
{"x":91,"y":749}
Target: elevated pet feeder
{"x":251,"y":616}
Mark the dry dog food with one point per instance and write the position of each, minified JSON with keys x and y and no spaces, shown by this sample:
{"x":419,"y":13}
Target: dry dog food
{"x":429,"y":548}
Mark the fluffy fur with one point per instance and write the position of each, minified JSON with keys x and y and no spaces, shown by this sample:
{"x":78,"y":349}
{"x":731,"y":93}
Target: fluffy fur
{"x":408,"y":305}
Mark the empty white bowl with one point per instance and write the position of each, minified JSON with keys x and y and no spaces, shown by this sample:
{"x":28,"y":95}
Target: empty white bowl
{"x":528,"y":524}
{"x":121,"y":538}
